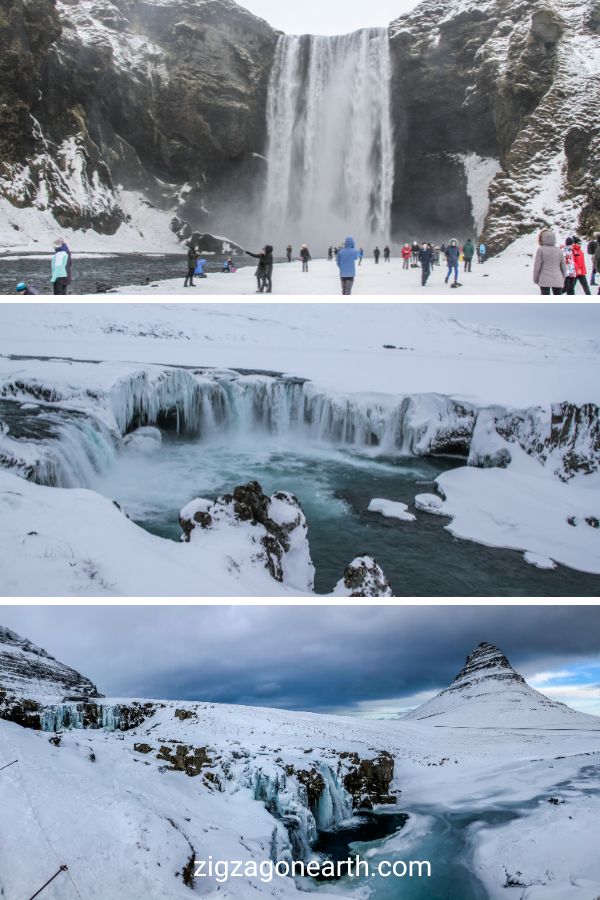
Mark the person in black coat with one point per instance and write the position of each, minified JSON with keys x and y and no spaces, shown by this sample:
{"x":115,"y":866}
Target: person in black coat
{"x":305,"y":257}
{"x":192,"y":257}
{"x":264,"y":271}
{"x":425,"y":258}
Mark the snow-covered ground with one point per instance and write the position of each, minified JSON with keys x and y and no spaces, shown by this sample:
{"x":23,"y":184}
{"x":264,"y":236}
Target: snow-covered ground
{"x":126,"y":811}
{"x":406,"y":378}
{"x":508,"y":274}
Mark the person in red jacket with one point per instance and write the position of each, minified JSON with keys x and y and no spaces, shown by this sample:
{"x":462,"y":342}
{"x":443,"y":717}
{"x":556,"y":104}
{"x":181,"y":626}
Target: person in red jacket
{"x":406,"y":254}
{"x":580,"y":276}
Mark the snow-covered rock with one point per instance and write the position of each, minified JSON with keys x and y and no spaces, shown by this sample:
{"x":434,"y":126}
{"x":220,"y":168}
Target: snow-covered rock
{"x":364,"y":577}
{"x":270,"y":531}
{"x":430,"y":503}
{"x":391,"y":510}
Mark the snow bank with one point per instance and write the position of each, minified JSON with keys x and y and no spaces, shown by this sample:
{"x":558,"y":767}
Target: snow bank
{"x":525,"y":507}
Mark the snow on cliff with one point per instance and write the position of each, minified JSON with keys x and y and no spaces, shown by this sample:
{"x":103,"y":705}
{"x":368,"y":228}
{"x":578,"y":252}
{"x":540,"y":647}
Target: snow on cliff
{"x":29,"y":671}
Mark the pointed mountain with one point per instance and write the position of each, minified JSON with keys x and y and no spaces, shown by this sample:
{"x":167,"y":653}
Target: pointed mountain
{"x":30,"y":672}
{"x":488,"y":693}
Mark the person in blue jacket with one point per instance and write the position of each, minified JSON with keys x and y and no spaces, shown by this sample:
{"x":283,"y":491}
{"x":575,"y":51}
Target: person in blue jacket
{"x":200,"y":267}
{"x":346,"y":260}
{"x":482,"y":252}
{"x":61,"y":267}
{"x":453,"y":258}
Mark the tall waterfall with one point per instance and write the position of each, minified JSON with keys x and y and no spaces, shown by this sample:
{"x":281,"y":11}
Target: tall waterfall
{"x":330,"y":140}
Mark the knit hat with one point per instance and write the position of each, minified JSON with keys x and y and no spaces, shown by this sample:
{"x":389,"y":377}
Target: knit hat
{"x":569,"y":242}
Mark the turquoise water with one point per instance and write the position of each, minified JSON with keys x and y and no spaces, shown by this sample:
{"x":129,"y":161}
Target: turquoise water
{"x":335,"y":487}
{"x":442,"y":838}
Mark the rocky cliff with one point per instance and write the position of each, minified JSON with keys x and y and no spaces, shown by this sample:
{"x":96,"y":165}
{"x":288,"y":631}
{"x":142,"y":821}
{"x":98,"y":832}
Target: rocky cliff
{"x":101,"y":98}
{"x":30,"y":679}
{"x":498,"y":94}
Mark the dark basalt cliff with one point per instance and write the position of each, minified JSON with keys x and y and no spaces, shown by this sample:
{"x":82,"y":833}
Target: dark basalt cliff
{"x":163,"y":97}
{"x":506,"y":80}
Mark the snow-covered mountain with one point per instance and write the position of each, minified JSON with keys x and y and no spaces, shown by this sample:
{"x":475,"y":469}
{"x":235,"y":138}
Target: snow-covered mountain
{"x":129,"y":793}
{"x":487,"y":692}
{"x":29,"y":671}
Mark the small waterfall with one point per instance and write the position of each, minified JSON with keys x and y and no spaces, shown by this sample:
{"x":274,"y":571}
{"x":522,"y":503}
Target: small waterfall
{"x":330,"y":140}
{"x":335,"y":803}
{"x":288,"y":804}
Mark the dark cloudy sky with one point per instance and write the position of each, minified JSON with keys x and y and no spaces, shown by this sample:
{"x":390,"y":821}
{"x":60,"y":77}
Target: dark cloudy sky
{"x":365,"y":660}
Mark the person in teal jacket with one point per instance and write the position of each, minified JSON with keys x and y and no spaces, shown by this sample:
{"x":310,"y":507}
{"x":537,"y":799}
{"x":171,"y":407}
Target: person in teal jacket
{"x":61,"y":267}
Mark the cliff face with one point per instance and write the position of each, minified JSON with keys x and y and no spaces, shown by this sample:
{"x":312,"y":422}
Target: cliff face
{"x":498,"y":93}
{"x":167,"y":98}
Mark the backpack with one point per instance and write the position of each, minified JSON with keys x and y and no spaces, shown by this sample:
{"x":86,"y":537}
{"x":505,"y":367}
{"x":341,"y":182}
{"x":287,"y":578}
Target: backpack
{"x":591,"y":247}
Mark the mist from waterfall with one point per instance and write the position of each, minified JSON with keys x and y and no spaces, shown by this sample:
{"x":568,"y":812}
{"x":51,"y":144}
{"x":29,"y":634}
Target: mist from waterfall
{"x":330,"y":141}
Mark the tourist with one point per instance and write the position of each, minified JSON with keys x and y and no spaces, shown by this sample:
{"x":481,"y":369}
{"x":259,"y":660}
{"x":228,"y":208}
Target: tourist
{"x":264,"y":271}
{"x":578,"y":271}
{"x":305,"y":257}
{"x":549,"y":267}
{"x":61,"y":267}
{"x":597,"y":257}
{"x":361,"y":255}
{"x":406,"y":254}
{"x":199,"y":271}
{"x":482,"y":252}
{"x":346,"y":260}
{"x":452,"y":258}
{"x":288,"y":252}
{"x":386,"y":254}
{"x":415,"y":254}
{"x":376,"y":255}
{"x":591,"y":249}
{"x":468,"y":254}
{"x":330,"y":254}
{"x":27,"y":289}
{"x":425,"y":258}
{"x":192,"y":257}
{"x":435,"y":259}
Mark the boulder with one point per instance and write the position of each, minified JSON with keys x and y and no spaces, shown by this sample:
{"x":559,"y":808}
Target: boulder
{"x":364,"y":577}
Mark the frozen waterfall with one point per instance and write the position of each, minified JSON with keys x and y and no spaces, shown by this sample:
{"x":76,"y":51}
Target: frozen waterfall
{"x":330,"y":140}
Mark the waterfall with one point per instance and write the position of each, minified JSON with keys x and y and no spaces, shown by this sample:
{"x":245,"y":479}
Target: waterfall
{"x":330,"y":140}
{"x":335,"y":803}
{"x":67,"y":448}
